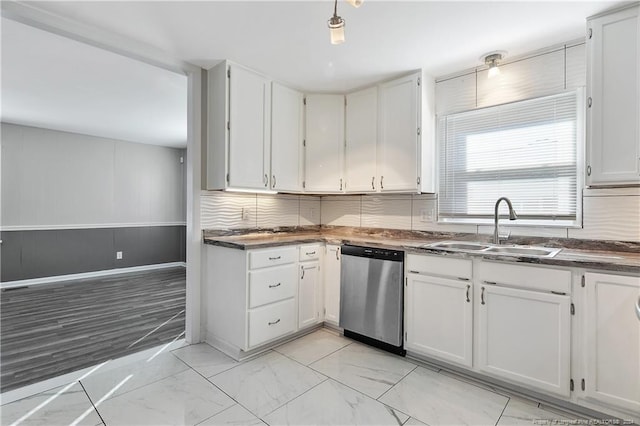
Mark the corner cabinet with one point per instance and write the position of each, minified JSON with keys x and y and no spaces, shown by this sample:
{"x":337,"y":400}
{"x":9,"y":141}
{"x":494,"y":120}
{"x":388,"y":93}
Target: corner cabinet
{"x":439,"y":308}
{"x":286,"y":138}
{"x":238,"y":132}
{"x":399,"y":138}
{"x":612,"y":340}
{"x":524,"y":325}
{"x":324,"y":143}
{"x":613,"y":90}
{"x":361,"y":139}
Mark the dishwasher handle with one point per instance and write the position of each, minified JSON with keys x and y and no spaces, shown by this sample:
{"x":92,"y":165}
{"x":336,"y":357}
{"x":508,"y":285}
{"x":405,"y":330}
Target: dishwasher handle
{"x":638,"y":308}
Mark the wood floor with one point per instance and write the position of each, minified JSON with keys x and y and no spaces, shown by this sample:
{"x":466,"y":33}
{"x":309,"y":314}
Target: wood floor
{"x":52,"y":329}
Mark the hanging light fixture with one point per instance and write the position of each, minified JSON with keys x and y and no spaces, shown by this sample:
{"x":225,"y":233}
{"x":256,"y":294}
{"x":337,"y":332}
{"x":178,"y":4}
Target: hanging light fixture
{"x":336,"y":26}
{"x":492,"y":60}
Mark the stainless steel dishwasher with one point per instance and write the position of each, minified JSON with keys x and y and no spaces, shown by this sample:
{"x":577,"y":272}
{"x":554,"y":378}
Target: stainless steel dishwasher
{"x":371,"y":296}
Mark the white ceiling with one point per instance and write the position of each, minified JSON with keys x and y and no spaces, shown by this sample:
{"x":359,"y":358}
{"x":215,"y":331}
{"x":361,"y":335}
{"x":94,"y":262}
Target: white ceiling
{"x":289,"y":40}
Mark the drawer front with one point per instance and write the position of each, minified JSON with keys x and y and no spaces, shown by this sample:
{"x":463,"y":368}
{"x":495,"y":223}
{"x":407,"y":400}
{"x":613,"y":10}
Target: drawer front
{"x":270,"y":285}
{"x":271,"y":321}
{"x":440,"y":265}
{"x":272,"y":257}
{"x":528,"y":277}
{"x":310,"y":252}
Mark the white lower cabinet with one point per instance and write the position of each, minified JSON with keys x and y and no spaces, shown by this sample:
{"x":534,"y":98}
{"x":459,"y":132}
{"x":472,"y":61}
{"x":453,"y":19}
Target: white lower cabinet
{"x":271,"y":321}
{"x":524,"y":336}
{"x":331,"y":276}
{"x":612,"y":340}
{"x":309,"y":289}
{"x":439,"y":310}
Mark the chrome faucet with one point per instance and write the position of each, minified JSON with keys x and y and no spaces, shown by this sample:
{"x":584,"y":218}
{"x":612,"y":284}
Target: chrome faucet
{"x":512,"y":216}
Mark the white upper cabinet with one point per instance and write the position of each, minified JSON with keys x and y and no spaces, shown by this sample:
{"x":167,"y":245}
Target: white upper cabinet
{"x":361,"y":141}
{"x":238,"y":133}
{"x":286,"y":138}
{"x":399,"y":134}
{"x":613,"y":119}
{"x":324,"y":143}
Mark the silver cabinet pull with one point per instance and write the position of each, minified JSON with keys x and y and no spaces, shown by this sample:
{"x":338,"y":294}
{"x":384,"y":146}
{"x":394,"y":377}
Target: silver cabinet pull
{"x":274,"y":322}
{"x":338,"y":253}
{"x":274,"y":285}
{"x":273,"y":178}
{"x":266,"y":180}
{"x":340,"y":184}
{"x":302,"y":277}
{"x":373,"y":183}
{"x":275,"y":258}
{"x":381,"y":180}
{"x":482,"y":296}
{"x":468,"y":288}
{"x":638,"y":308}
{"x":309,"y":253}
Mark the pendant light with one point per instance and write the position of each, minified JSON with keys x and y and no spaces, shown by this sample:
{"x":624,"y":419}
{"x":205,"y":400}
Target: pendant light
{"x":492,"y":61}
{"x":336,"y":26}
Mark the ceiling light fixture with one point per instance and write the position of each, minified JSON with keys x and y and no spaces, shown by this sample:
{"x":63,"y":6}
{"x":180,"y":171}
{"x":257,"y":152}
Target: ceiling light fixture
{"x":355,"y":3}
{"x":336,"y":26}
{"x":492,"y":60}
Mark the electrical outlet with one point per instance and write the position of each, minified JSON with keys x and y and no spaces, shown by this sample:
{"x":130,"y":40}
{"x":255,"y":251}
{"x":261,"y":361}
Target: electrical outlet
{"x":118,"y":255}
{"x":426,"y":215}
{"x":245,"y":213}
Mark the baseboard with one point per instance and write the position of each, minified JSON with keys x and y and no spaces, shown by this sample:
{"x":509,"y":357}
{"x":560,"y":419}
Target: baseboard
{"x":84,"y":275}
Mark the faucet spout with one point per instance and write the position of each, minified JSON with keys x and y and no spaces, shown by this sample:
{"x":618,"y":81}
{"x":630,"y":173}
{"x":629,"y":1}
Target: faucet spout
{"x":512,"y":216}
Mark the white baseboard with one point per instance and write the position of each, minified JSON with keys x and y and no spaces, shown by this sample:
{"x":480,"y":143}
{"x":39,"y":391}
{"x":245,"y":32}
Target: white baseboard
{"x":94,"y":274}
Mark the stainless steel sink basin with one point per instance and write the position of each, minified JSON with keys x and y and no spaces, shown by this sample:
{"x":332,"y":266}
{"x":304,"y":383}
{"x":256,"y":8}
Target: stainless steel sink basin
{"x":523,"y":251}
{"x":491,"y":249}
{"x":458,"y":245}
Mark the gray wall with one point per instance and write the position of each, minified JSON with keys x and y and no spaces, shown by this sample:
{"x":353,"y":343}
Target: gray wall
{"x":70,"y":201}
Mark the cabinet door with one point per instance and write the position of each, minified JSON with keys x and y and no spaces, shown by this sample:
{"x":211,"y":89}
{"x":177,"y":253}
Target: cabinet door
{"x":286,"y":138}
{"x":524,"y":336}
{"x":399,"y":139}
{"x":332,"y":284}
{"x":439,"y":318}
{"x":308,"y":294}
{"x":613,"y":69}
{"x":361,"y":140}
{"x":324,"y":143}
{"x":248,"y":129}
{"x":612,"y":338}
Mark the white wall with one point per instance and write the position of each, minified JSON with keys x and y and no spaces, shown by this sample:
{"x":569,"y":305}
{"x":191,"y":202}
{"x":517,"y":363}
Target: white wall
{"x":55,"y":180}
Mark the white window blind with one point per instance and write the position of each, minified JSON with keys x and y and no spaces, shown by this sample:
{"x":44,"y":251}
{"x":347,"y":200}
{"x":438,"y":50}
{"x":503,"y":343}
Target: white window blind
{"x":525,"y":150}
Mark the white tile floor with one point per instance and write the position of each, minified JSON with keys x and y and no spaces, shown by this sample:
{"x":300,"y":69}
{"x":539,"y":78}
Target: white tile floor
{"x":320,"y":379}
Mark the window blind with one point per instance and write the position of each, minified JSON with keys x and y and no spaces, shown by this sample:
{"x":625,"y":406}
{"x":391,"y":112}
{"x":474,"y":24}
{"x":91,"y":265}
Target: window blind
{"x":525,"y":150}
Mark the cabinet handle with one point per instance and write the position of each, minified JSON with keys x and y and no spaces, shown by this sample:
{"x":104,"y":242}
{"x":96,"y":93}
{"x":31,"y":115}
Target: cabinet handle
{"x":338,"y":253}
{"x":302,"y":277}
{"x":589,"y":102}
{"x":373,"y":183}
{"x":468,"y":288}
{"x":275,"y":322}
{"x":274,"y":180}
{"x":340,"y":184}
{"x":588,"y":170}
{"x":275,"y":258}
{"x":482,"y":296}
{"x":266,"y":180}
{"x":381,"y":180}
{"x":309,"y":253}
{"x":638,"y":308}
{"x":274,"y":285}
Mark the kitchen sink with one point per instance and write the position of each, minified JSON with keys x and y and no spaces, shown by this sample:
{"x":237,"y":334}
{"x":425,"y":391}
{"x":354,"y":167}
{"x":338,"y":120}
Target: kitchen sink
{"x":491,"y":249}
{"x":523,"y":251}
{"x":457,"y":245}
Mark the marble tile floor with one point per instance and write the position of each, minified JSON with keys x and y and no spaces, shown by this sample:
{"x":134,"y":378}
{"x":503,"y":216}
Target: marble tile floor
{"x":318,"y":379}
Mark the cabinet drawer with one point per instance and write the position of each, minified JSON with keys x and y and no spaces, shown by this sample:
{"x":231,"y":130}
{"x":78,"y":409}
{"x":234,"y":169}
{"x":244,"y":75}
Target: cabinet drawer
{"x":272,"y":284}
{"x":311,"y":252}
{"x":530,"y":277}
{"x":271,"y":321}
{"x":440,"y":265}
{"x":272,"y":257}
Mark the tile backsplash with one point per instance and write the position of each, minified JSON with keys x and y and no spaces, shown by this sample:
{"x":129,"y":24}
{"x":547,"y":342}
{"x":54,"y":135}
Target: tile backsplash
{"x":608,"y":214}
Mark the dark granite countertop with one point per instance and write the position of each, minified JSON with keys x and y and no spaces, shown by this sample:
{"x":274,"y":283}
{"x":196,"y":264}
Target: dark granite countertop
{"x":617,"y":256}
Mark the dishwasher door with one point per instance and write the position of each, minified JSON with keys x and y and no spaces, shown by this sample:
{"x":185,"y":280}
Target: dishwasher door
{"x":371,"y":298}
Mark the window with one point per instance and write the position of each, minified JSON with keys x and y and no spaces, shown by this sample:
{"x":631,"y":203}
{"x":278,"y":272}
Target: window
{"x":526,"y":151}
